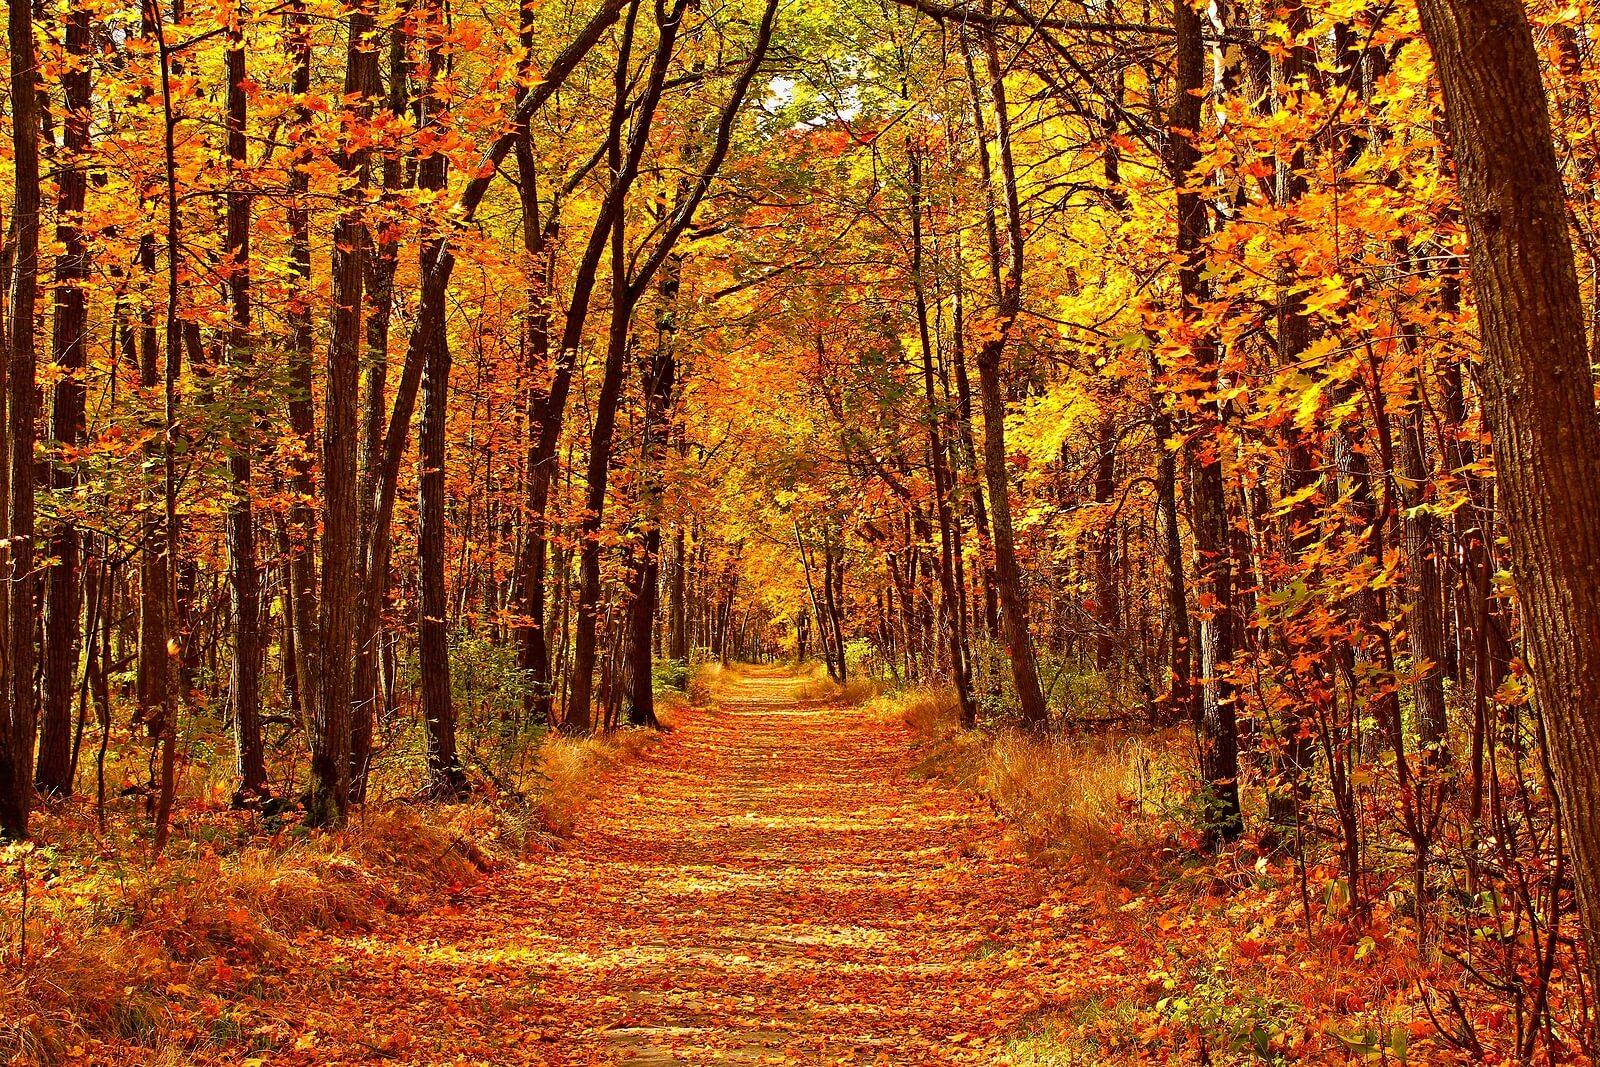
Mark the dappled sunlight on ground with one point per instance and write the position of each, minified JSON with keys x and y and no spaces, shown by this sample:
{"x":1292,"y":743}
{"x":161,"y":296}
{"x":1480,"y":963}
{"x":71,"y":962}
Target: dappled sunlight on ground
{"x":766,"y":885}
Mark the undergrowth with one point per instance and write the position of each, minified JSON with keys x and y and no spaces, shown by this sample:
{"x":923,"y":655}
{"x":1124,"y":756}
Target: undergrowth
{"x":1065,"y":796}
{"x":816,"y":687}
{"x":98,"y":942}
{"x":1235,"y":957}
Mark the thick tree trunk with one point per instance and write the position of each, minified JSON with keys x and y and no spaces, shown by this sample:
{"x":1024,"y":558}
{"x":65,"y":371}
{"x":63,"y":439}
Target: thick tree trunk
{"x":63,"y":592}
{"x":1539,"y":388}
{"x":17,"y":722}
{"x":445,"y":776}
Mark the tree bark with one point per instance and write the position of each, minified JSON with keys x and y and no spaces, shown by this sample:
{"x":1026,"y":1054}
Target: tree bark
{"x":1108,"y":609}
{"x":382,"y":263}
{"x":301,"y":527}
{"x":1539,"y":388}
{"x":63,"y":591}
{"x":1214,"y":712}
{"x":445,"y":776}
{"x":943,"y":488}
{"x":17,"y":724}
{"x":1006,"y":272}
{"x":328,"y":796}
{"x":243,"y":570}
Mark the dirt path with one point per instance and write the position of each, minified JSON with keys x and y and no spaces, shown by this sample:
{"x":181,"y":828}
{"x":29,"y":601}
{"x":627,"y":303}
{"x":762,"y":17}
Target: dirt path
{"x":766,"y":885}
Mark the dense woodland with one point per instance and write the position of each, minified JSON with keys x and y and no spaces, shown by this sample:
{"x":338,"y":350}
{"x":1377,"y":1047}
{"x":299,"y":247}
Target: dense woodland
{"x":387,"y":383}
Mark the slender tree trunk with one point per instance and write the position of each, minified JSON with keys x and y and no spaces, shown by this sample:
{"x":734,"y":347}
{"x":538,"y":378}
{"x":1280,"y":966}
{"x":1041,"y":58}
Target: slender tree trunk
{"x":533,"y":651}
{"x":1006,"y":271}
{"x":301,"y":597}
{"x":1108,"y":607}
{"x":328,"y":797}
{"x":678,"y":629}
{"x":445,"y":776}
{"x":1214,"y":711}
{"x":1296,"y":740}
{"x":618,"y":343}
{"x":658,"y":375}
{"x":1425,"y":628}
{"x":243,"y":570}
{"x":823,"y":635}
{"x":382,"y":263}
{"x":832,"y":598}
{"x":165,"y":723}
{"x":943,"y":490}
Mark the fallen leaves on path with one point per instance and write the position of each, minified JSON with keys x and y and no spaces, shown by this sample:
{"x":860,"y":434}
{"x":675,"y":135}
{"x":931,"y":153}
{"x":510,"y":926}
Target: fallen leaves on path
{"x":766,"y":886}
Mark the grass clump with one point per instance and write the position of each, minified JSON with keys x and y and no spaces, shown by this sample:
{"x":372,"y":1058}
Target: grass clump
{"x":816,"y":687}
{"x":573,"y":770}
{"x":1062,"y":793}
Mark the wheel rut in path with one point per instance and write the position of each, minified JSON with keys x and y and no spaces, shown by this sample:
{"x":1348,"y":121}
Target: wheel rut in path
{"x":769,"y":884}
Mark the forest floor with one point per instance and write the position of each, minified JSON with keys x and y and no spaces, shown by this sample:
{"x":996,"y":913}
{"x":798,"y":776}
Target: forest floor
{"x":767,"y":885}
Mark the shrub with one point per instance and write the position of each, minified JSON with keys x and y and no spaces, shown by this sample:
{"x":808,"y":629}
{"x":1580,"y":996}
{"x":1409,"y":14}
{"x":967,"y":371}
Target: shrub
{"x":670,"y":674}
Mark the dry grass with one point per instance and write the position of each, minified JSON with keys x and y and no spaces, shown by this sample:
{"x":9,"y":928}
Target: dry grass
{"x":117,"y":942}
{"x":932,"y":711}
{"x":705,"y":680}
{"x":1065,"y":796}
{"x":573,"y":769}
{"x":816,"y":687}
{"x":125,"y":948}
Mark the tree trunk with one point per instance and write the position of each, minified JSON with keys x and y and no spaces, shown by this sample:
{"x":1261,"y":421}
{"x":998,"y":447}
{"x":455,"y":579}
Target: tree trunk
{"x":618,"y":342}
{"x":943,"y":490}
{"x":328,"y":797}
{"x":63,"y":592}
{"x":1214,"y":711}
{"x":1006,"y":273}
{"x":382,"y":263}
{"x":677,"y":622}
{"x":445,"y":777}
{"x":658,"y":375}
{"x":243,"y":571}
{"x":1108,"y":610}
{"x":1539,"y":388}
{"x":17,"y":724}
{"x":301,"y":527}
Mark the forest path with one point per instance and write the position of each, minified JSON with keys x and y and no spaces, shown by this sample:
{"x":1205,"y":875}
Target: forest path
{"x":766,"y":885}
